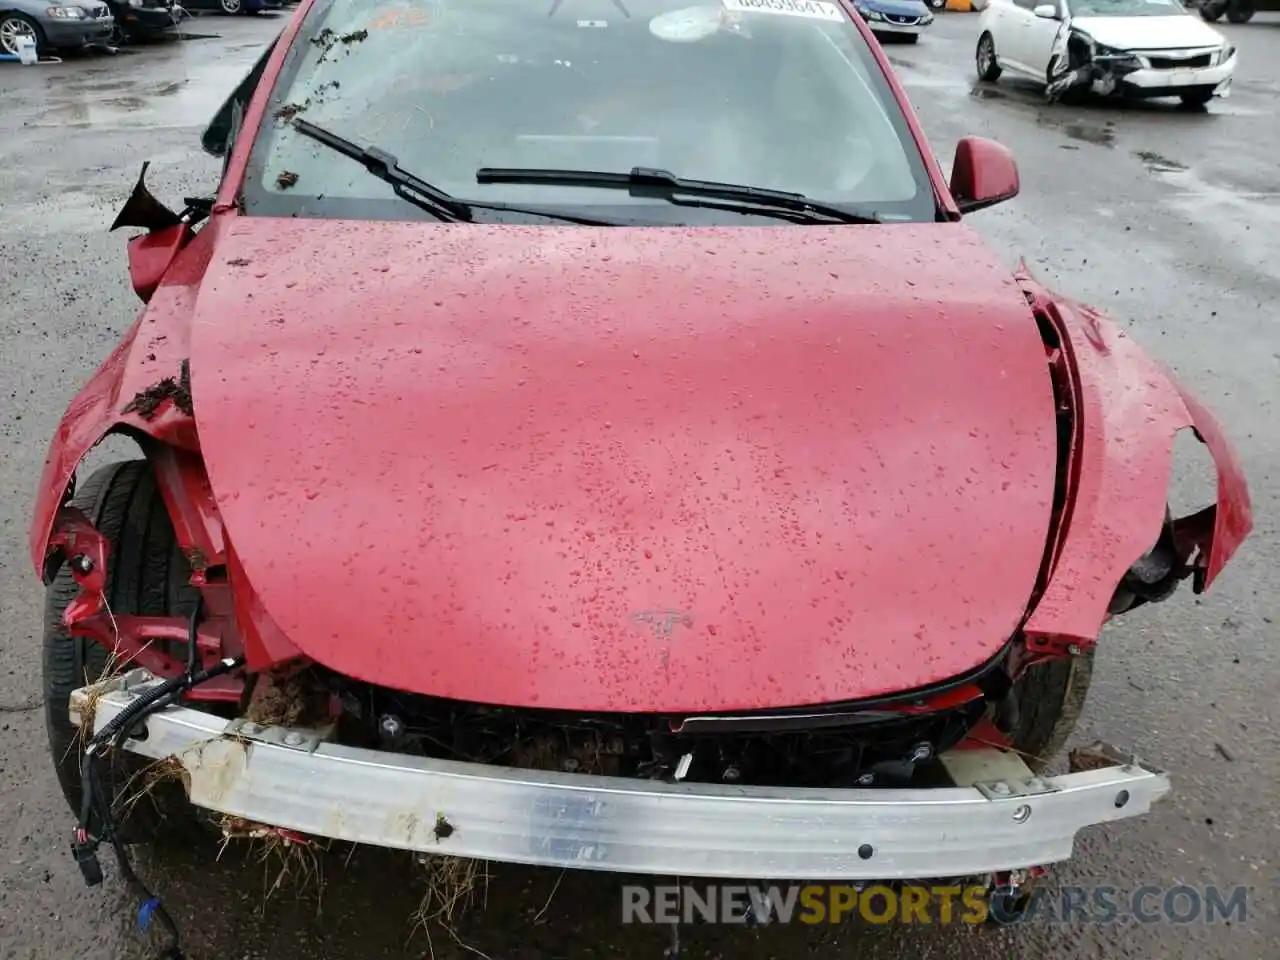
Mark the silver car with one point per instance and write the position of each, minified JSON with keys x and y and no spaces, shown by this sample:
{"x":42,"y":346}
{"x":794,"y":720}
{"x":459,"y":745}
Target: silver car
{"x":73,"y":24}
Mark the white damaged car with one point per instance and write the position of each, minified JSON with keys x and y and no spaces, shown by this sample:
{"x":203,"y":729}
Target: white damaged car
{"x":1131,"y":48}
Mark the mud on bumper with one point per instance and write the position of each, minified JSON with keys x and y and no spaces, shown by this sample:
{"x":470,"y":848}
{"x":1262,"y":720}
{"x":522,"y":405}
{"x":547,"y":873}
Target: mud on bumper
{"x":1000,"y":817}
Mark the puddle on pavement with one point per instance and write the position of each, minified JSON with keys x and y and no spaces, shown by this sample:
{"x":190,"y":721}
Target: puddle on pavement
{"x":124,"y":103}
{"x":1158,"y":163}
{"x":81,"y":85}
{"x":1101,"y":134}
{"x":142,"y":101}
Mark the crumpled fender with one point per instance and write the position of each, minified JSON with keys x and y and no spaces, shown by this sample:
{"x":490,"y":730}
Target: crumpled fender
{"x":1128,"y":410}
{"x":151,"y":350}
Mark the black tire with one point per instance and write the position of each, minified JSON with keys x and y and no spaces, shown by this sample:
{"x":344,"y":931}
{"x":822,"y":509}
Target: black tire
{"x":1212,"y":10}
{"x":231,"y":7}
{"x":42,"y":43}
{"x":146,"y":575}
{"x":1051,"y":697}
{"x":1240,"y":11}
{"x":1199,"y":98}
{"x":984,"y":57}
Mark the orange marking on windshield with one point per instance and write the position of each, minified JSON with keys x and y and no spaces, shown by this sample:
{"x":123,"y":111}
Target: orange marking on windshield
{"x":396,"y":19}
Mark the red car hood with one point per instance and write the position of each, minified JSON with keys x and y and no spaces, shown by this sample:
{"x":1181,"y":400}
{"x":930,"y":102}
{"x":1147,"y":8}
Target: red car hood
{"x":627,"y":469}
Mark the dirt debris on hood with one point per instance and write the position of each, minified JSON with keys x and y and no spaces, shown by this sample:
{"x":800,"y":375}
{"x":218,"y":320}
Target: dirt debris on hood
{"x":328,"y":38}
{"x":291,"y":110}
{"x":147,"y":403}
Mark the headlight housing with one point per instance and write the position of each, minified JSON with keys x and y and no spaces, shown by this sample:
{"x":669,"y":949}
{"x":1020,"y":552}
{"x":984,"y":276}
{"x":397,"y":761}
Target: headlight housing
{"x":1225,"y":53}
{"x":1192,"y":488}
{"x":867,"y":13}
{"x":1117,"y":58}
{"x":65,"y":13}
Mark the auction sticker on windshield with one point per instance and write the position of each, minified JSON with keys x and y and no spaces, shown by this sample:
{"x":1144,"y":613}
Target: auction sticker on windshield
{"x":813,"y":9}
{"x":687,"y":26}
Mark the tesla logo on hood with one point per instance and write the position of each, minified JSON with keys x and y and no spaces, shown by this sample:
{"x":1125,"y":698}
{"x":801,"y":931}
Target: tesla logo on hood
{"x":663,"y":622}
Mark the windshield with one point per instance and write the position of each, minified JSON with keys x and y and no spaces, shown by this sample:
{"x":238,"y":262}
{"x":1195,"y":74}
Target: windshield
{"x":781,"y":94}
{"x":1126,"y":8}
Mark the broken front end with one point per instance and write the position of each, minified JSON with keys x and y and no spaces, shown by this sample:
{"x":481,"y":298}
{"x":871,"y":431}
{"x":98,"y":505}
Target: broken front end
{"x":663,"y":743}
{"x":1080,"y":64}
{"x":950,"y":780}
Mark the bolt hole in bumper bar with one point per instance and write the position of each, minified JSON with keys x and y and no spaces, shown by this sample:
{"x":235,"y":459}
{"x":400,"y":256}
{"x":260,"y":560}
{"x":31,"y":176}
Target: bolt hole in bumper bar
{"x":1003,"y":818}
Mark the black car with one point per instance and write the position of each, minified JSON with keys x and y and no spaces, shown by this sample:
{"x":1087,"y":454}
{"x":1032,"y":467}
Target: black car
{"x":144,"y":19}
{"x":232,"y":7}
{"x":1237,"y":11}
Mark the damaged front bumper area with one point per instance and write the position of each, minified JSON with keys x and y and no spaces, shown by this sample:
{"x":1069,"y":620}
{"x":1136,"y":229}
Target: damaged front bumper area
{"x":998,"y":816}
{"x":1085,"y":65}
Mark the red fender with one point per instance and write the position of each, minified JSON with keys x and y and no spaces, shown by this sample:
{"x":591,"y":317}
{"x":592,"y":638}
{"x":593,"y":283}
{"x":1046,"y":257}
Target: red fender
{"x":152,"y":350}
{"x":1129,"y":409}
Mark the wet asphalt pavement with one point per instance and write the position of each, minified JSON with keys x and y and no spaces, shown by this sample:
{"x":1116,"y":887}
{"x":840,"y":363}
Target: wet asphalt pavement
{"x":1168,"y":219}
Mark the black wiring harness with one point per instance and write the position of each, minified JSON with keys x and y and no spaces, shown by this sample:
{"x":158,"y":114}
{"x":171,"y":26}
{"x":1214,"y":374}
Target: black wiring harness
{"x":96,"y":799}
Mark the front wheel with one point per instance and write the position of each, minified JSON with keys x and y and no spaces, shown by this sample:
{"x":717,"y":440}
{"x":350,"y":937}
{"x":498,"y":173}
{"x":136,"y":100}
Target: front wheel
{"x":985,"y":59}
{"x":146,"y":575}
{"x":14,"y":27}
{"x":1050,"y":696}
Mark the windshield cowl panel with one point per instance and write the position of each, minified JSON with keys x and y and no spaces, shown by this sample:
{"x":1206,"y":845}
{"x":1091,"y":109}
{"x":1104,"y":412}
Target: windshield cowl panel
{"x":782,"y":95}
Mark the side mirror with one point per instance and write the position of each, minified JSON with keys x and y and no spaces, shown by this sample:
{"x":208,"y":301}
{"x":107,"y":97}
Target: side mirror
{"x":141,"y":209}
{"x":1045,"y":11}
{"x":983,"y":174}
{"x":151,"y":254}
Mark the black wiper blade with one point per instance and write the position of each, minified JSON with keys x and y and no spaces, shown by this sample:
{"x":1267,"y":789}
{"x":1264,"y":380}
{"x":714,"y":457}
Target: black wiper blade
{"x":420,"y":192}
{"x":663,"y":184}
{"x":386,"y":167}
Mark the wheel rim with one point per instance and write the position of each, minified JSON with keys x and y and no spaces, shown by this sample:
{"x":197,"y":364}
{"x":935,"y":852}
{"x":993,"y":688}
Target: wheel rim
{"x":985,"y":55}
{"x":11,"y":30}
{"x":230,"y":6}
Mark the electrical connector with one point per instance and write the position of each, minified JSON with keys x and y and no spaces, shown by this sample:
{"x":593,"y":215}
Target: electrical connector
{"x":86,"y":857}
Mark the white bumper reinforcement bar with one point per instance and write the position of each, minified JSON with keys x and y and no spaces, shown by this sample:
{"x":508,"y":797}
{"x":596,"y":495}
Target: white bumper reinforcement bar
{"x":294,"y":779}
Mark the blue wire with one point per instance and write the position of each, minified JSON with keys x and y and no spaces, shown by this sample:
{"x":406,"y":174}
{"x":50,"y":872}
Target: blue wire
{"x":145,"y":912}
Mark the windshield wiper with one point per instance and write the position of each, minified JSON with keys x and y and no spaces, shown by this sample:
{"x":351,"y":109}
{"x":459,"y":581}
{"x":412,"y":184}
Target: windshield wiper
{"x":665,"y":185}
{"x":386,"y":167}
{"x":444,"y":206}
